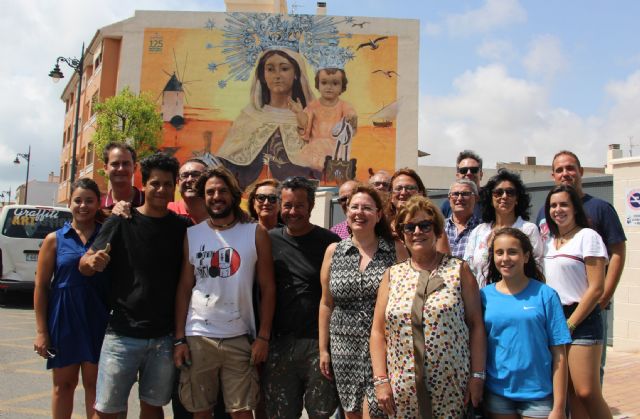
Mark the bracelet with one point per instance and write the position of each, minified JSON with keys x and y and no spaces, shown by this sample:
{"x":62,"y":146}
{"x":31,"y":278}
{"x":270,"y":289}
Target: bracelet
{"x":262,"y":338}
{"x":571,"y":326}
{"x":379,"y":377}
{"x":380,"y":382}
{"x":181,"y":341}
{"x":482,"y":375}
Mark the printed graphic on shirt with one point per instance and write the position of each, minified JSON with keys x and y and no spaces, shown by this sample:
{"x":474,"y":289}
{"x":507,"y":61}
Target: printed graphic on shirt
{"x":221,"y":263}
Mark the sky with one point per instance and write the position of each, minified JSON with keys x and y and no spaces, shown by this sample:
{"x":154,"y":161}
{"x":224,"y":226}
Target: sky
{"x":506,"y":78}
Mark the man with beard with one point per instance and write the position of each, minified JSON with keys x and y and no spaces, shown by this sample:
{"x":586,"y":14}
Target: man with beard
{"x":292,"y":372}
{"x":217,"y":345}
{"x":191,"y":205}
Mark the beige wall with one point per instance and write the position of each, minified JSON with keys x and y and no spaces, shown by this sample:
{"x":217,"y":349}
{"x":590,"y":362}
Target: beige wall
{"x":626,"y":320}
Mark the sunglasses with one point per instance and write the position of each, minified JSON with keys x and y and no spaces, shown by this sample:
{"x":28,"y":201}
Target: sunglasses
{"x":186,"y":175}
{"x":343,"y":199}
{"x":473,"y":169}
{"x":463,"y":194}
{"x":498,"y":192}
{"x":424,"y":226}
{"x":272,"y":198}
{"x":408,"y":188}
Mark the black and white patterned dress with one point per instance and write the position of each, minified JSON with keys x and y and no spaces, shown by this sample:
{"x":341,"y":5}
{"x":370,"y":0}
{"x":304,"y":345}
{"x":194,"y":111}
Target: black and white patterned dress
{"x":354,"y":296}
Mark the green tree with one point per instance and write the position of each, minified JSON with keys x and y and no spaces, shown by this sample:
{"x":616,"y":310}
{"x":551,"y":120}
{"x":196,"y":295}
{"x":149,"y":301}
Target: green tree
{"x":131,"y":118}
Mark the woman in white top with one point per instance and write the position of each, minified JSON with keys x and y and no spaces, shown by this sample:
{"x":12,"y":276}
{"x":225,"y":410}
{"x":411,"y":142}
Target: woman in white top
{"x":505,"y":203}
{"x":574,"y":262}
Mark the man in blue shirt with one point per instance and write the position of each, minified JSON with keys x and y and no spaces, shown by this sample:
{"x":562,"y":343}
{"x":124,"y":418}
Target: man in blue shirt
{"x":566,"y":170}
{"x":463,"y":195}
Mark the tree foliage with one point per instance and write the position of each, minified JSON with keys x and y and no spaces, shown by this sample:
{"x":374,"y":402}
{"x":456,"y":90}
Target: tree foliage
{"x":130,"y":118}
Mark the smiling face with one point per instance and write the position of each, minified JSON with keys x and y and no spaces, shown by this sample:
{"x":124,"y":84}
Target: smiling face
{"x":268,"y":207}
{"x":218,"y":198}
{"x":508,"y":257}
{"x":279,"y":74}
{"x":504,"y":197}
{"x":159,"y":189}
{"x":567,"y":172}
{"x":462,"y":199}
{"x":187,"y":178}
{"x":84,"y":205}
{"x":562,"y":211}
{"x":362,"y":213}
{"x":295,"y":210}
{"x":419,"y":240}
{"x":403,"y":188}
{"x":119,"y":166}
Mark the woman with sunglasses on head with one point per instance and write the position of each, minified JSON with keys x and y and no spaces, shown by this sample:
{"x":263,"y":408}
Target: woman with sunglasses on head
{"x":505,"y":203}
{"x":350,"y":276}
{"x":71,"y":309}
{"x":428,"y":339}
{"x":263,"y":203}
{"x":574,"y":261}
{"x":526,"y":334}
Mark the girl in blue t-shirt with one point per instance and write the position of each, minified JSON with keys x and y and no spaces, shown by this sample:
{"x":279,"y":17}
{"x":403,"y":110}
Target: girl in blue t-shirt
{"x":526,"y":333}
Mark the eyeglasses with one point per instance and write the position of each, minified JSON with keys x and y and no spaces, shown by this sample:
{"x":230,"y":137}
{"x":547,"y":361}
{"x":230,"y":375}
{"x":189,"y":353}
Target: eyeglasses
{"x":272,"y":198}
{"x":473,"y":169}
{"x":424,"y":226}
{"x":498,"y":192}
{"x":381,"y":184}
{"x":343,"y":199}
{"x":363,"y":208}
{"x":463,"y":194}
{"x":408,"y":188}
{"x":186,"y":175}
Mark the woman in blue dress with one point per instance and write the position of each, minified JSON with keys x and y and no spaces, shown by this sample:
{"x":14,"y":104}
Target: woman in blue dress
{"x":71,"y":309}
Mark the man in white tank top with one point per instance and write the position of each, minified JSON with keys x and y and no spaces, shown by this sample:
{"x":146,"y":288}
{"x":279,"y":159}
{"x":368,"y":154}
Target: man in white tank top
{"x":217,"y":345}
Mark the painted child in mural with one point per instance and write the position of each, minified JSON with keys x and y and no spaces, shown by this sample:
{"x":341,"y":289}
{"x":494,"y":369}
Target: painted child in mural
{"x":267,"y":132}
{"x":325,"y":127}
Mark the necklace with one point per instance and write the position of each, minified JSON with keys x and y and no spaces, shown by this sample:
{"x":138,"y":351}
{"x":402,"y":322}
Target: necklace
{"x":563,"y":237}
{"x":221,"y":225}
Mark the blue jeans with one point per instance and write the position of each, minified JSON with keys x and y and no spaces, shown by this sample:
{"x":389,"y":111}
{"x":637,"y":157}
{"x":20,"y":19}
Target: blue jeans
{"x":530,"y":408}
{"x":121,"y":360}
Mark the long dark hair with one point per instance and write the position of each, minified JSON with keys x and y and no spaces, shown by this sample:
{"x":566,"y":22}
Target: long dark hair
{"x":90,"y":185}
{"x":522,"y":196}
{"x":531,"y":268}
{"x":580,"y":215}
{"x":381,"y":228}
{"x":296,"y":89}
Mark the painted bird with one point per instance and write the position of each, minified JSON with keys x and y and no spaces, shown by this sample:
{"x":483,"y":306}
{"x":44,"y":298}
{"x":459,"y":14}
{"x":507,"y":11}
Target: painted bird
{"x":372,"y":44}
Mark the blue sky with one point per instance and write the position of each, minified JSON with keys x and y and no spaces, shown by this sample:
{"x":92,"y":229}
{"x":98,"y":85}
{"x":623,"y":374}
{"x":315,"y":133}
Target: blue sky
{"x":507,"y":78}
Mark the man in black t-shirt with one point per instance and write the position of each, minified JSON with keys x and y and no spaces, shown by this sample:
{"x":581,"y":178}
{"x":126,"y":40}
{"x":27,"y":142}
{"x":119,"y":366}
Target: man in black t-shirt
{"x":292,"y":372}
{"x":144,"y":257}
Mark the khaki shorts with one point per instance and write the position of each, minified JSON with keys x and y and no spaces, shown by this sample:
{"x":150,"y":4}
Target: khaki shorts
{"x":219,"y":363}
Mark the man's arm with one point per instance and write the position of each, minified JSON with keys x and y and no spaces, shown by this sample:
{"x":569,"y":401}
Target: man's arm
{"x":614,"y":271}
{"x":183,"y":296}
{"x":264,"y":269}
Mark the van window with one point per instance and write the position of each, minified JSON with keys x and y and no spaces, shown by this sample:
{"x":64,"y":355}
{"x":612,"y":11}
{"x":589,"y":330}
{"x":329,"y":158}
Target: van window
{"x":33,"y":223}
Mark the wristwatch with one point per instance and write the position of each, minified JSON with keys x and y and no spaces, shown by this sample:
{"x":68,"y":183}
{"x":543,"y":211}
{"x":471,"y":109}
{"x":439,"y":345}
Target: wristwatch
{"x":479,"y":374}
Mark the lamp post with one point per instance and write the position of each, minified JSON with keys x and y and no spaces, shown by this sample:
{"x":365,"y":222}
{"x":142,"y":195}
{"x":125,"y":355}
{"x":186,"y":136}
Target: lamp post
{"x":6,"y":194}
{"x":56,"y":75}
{"x":27,"y":157}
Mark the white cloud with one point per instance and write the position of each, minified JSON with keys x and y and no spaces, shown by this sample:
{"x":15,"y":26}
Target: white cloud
{"x":493,"y":14}
{"x":496,"y":50}
{"x":505,"y":118}
{"x":545,"y":58}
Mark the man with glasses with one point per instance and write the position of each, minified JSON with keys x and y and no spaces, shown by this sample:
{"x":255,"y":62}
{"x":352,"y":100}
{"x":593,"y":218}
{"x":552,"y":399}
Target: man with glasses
{"x":292,"y":372}
{"x":191,"y":205}
{"x":463,"y":195}
{"x":381,"y":181}
{"x":344,"y":193}
{"x":468,"y":166}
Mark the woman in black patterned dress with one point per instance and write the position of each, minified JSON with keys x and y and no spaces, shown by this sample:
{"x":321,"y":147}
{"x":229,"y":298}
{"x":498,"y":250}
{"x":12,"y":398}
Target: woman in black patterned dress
{"x":351,"y":272}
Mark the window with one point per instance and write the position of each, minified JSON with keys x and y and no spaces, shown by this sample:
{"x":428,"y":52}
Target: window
{"x":94,"y":101}
{"x":89,"y":154}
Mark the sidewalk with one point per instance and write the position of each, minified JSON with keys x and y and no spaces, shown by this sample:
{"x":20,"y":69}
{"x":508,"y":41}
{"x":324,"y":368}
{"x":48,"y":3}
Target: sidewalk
{"x":622,"y":384}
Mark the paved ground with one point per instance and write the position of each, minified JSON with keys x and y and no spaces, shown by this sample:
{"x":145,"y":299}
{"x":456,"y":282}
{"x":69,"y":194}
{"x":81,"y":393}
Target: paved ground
{"x":25,"y":384}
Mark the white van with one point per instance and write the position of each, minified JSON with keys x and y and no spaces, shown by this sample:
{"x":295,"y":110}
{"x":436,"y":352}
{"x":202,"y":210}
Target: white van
{"x":23,"y":229}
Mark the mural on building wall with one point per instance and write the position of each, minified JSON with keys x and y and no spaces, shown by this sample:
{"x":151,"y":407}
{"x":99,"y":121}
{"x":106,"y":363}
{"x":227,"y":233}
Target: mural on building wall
{"x":277,"y":96}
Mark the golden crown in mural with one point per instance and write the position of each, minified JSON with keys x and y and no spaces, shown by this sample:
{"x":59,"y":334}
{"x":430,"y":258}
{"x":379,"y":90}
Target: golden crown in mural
{"x":248,"y":35}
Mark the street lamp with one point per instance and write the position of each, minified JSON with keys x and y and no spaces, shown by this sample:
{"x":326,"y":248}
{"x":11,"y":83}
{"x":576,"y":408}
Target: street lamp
{"x":27,"y":157}
{"x":6,"y":194}
{"x":56,"y":75}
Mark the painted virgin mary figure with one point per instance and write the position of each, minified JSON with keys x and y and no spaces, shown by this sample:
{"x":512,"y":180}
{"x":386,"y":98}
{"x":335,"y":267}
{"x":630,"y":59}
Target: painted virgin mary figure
{"x":268,"y":133}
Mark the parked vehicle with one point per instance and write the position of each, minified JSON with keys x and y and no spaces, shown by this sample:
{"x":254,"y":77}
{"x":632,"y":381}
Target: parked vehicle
{"x":23,"y":229}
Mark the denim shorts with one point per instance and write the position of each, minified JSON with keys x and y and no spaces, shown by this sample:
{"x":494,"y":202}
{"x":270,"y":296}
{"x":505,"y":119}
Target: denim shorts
{"x":530,"y":408}
{"x":121,"y":359}
{"x":590,"y":331}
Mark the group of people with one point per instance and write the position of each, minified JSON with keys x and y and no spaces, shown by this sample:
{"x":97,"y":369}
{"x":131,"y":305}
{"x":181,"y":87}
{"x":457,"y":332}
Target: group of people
{"x":404,"y":310}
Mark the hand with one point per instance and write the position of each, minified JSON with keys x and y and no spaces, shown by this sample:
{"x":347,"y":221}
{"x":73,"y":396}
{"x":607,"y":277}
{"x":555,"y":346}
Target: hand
{"x":41,"y":344}
{"x":100,"y":259}
{"x":325,"y":365}
{"x":259,"y":351}
{"x":475,"y":390}
{"x":295,"y":107}
{"x":122,"y":209}
{"x":181,"y":355}
{"x":384,"y":394}
{"x":604,"y":303}
{"x":557,"y":413}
